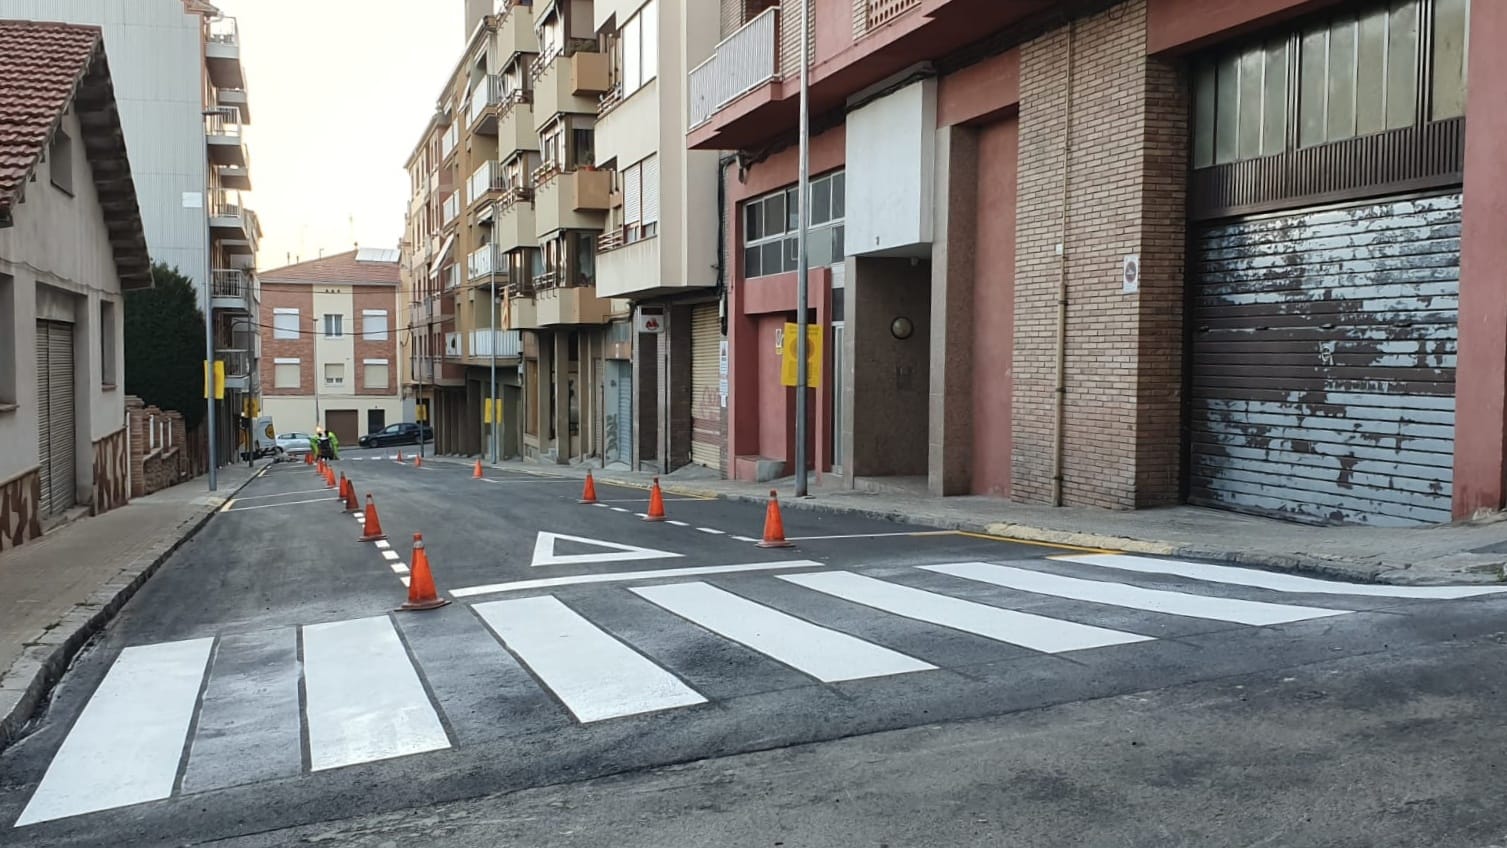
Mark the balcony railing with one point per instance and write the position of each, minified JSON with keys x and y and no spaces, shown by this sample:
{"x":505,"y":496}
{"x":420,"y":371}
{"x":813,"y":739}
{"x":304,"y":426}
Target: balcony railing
{"x":611,"y":240}
{"x":877,"y":13}
{"x":502,"y":7}
{"x":451,"y":276}
{"x":226,"y":203}
{"x":450,"y":140}
{"x":452,"y":207}
{"x":228,"y":282}
{"x":223,"y":120}
{"x":610,"y":99}
{"x":743,"y":61}
{"x":485,"y":179}
{"x":483,"y":262}
{"x":547,"y":280}
{"x":224,"y":30}
{"x":486,"y":94}
{"x":237,"y":362}
{"x":505,"y":342}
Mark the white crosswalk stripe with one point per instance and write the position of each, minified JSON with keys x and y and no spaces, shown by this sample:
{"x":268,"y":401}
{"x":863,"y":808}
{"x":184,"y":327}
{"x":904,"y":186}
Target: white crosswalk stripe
{"x":286,"y":702}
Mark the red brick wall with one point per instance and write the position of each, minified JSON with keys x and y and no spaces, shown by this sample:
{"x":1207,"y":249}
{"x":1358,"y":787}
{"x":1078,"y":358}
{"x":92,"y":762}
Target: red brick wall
{"x":1126,"y":176}
{"x":376,"y":297}
{"x":278,"y":296}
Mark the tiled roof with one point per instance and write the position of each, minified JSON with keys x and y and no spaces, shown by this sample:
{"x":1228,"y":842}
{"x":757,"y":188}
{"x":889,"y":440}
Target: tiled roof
{"x":41,"y":66}
{"x":340,"y":268}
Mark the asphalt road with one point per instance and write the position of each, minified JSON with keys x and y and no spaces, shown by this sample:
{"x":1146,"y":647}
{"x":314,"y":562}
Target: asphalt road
{"x":602,"y":679}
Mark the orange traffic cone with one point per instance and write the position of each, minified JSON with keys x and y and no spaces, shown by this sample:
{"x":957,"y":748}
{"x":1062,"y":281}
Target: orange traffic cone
{"x":329,"y":477}
{"x":476,"y":472}
{"x":656,"y":503}
{"x":418,"y":461}
{"x":351,"y":504}
{"x":308,"y":458}
{"x":774,"y":525}
{"x":589,"y":493}
{"x":344,"y":483}
{"x":372,"y":525}
{"x":421,"y":591}
{"x":400,"y":454}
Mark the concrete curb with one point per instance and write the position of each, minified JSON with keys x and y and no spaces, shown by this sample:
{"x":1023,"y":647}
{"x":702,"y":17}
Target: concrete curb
{"x":31,"y":677}
{"x":1352,"y":571}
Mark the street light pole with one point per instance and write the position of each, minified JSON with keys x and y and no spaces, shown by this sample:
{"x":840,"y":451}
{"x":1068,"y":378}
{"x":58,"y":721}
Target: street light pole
{"x":493,"y":413}
{"x":801,"y":295}
{"x":213,"y":443}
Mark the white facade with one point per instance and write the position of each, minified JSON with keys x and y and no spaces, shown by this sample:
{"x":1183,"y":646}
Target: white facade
{"x":891,"y":167}
{"x":153,"y":47}
{"x":56,"y":264}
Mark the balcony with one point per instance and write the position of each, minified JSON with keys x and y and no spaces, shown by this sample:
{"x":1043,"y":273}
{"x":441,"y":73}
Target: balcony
{"x":238,"y":367}
{"x":485,"y":180}
{"x":515,"y":30}
{"x":507,"y":343}
{"x":222,"y":129}
{"x":437,"y":370}
{"x":230,"y":290}
{"x":222,"y":53}
{"x":570,"y":84}
{"x":449,"y":141}
{"x":743,"y":61}
{"x":237,"y":177}
{"x":237,"y":98}
{"x":877,"y":13}
{"x":452,"y":208}
{"x":573,"y":200}
{"x":566,"y":305}
{"x":515,"y":124}
{"x":523,"y":313}
{"x":484,"y":262}
{"x":232,"y":223}
{"x":513,"y":227}
{"x":481,"y":105}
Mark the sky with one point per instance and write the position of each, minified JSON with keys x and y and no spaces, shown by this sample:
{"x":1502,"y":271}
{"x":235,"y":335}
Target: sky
{"x":340,"y":91}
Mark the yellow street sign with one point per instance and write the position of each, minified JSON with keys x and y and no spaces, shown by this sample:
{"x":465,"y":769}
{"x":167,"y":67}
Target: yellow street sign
{"x":219,"y":372}
{"x":491,"y":411}
{"x":788,"y":373}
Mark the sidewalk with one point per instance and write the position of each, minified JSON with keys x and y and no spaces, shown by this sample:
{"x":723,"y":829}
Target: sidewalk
{"x":1469,"y":552}
{"x":64,"y":587}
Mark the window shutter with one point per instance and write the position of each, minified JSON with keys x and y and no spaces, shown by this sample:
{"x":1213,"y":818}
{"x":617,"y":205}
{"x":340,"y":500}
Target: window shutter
{"x":632,"y":196}
{"x":650,"y":175}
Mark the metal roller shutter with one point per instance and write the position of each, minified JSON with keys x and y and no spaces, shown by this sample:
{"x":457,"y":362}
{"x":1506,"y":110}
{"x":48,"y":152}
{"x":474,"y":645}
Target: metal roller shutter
{"x":706,"y":397}
{"x":620,"y":411}
{"x":55,"y":430}
{"x":1324,"y":362}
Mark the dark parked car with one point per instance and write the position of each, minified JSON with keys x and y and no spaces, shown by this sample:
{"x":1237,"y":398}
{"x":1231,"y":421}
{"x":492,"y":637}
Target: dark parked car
{"x":397,"y":434}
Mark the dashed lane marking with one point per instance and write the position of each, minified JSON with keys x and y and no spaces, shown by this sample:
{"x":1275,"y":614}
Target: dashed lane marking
{"x":276,"y":505}
{"x":628,"y":576}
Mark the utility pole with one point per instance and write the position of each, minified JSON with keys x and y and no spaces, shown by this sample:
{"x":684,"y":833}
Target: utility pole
{"x":801,"y":295}
{"x":495,"y":412}
{"x":213,"y":443}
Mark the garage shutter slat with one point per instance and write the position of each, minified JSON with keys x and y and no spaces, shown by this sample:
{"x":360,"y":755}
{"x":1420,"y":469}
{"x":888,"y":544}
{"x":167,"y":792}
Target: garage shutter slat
{"x":706,"y":397}
{"x":56,"y":427}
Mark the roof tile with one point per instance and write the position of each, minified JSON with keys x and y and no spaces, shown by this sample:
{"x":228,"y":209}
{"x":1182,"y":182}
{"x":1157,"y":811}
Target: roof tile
{"x":340,"y":268}
{"x":41,"y":65}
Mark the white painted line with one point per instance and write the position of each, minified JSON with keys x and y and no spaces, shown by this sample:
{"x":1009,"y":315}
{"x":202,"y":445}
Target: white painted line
{"x":827,"y":655}
{"x":1272,"y":580}
{"x":712,"y":530}
{"x":282,"y":494}
{"x":545,"y":543}
{"x":593,"y":674}
{"x":403,"y":580}
{"x":277,"y":505}
{"x":364,"y":699}
{"x":228,"y":504}
{"x":676,"y":523}
{"x":392,"y":556}
{"x":1039,"y":633}
{"x":1254,"y":613}
{"x":641,"y":514}
{"x":506,"y":481}
{"x":871,"y":535}
{"x":619,"y":509}
{"x":399,"y":568}
{"x":627,"y":576}
{"x":127,"y":743}
{"x":744,"y":539}
{"x":383,"y":543}
{"x":600,"y":504}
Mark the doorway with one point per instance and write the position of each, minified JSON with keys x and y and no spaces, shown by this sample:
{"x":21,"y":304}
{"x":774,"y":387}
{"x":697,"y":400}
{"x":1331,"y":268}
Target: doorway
{"x":376,"y":419}
{"x":343,"y":423}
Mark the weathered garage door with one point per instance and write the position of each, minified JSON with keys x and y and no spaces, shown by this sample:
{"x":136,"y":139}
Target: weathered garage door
{"x":55,"y":424}
{"x":619,"y":404}
{"x":706,"y":398}
{"x":1324,"y":363}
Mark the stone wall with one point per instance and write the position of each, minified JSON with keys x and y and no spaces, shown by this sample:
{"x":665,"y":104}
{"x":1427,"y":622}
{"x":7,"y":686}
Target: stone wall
{"x":20,"y":500}
{"x":161,"y":453}
{"x":112,"y":472}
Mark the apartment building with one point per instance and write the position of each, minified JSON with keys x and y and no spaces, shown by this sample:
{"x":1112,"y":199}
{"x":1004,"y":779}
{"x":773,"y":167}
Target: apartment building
{"x":1126,"y":254}
{"x":662,"y":395}
{"x":184,"y":107}
{"x":330,"y":348}
{"x":71,"y":245}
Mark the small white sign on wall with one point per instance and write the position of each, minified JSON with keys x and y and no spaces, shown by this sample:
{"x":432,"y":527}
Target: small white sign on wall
{"x":779,"y":342}
{"x":193,"y":200}
{"x":1131,"y":280}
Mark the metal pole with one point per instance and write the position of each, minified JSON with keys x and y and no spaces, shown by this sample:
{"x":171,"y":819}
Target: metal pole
{"x":801,"y":294}
{"x":213,"y":445}
{"x":492,"y":399}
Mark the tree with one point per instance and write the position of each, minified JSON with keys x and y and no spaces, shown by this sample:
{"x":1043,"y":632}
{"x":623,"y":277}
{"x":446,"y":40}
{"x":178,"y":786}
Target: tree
{"x":165,"y":344}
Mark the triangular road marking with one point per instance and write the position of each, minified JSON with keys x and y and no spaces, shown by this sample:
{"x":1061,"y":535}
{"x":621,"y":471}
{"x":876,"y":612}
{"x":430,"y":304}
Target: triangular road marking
{"x":544,"y":551}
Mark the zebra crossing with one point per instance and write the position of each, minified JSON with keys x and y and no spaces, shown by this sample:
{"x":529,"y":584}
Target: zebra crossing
{"x":209,"y":713}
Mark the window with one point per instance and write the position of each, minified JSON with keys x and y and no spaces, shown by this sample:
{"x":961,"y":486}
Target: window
{"x":286,"y":373}
{"x":60,"y":161}
{"x":771,"y":224}
{"x":375,"y":373}
{"x":374,"y":325}
{"x":285,"y":324}
{"x":108,"y":336}
{"x":8,"y":336}
{"x":640,"y":185}
{"x":1386,"y":66}
{"x":584,"y":259}
{"x":334,"y":373}
{"x":638,"y":55}
{"x":334,"y":326}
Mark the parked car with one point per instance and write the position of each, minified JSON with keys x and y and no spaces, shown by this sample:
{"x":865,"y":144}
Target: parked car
{"x":292,"y":444}
{"x":397,"y":434}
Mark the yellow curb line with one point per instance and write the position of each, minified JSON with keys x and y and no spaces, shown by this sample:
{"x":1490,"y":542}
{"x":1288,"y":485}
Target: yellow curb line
{"x":992,"y":538}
